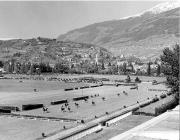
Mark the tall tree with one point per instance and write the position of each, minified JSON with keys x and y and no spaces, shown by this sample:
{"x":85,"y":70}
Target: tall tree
{"x":158,"y":70}
{"x":170,"y":59}
{"x":149,"y":69}
{"x":102,"y":67}
{"x":1,"y":64}
{"x":124,"y":68}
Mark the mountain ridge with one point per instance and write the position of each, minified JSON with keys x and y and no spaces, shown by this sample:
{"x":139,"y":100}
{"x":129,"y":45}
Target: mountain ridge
{"x":124,"y":34}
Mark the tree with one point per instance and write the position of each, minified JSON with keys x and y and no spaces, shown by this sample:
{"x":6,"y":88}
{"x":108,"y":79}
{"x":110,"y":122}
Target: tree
{"x":132,"y":67}
{"x":124,"y":67}
{"x":149,"y":69}
{"x":22,"y":68}
{"x":170,"y":60}
{"x":128,"y":79}
{"x":158,"y":70}
{"x":27,"y":68}
{"x":61,"y":68}
{"x":32,"y":69}
{"x":102,"y":67}
{"x":1,"y":64}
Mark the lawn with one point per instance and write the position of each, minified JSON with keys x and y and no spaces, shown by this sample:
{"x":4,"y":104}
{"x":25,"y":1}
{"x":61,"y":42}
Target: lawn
{"x":23,"y":129}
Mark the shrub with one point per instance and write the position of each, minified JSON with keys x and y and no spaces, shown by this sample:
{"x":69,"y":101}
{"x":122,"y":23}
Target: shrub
{"x":164,"y":107}
{"x":163,"y":95}
{"x":157,"y":108}
{"x":155,"y":99}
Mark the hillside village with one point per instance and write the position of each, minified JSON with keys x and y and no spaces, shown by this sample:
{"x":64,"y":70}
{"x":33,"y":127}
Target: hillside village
{"x":44,"y":55}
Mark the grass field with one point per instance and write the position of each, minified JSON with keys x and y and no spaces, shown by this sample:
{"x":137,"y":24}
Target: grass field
{"x":112,"y":102}
{"x":23,"y":129}
{"x":7,"y":85}
{"x":13,"y":92}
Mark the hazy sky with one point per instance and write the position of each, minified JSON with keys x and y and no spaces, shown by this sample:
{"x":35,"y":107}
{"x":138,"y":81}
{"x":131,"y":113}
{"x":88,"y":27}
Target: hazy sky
{"x":50,"y":19}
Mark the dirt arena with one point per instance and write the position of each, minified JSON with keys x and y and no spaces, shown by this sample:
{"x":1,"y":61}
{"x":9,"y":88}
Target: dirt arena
{"x":19,"y":93}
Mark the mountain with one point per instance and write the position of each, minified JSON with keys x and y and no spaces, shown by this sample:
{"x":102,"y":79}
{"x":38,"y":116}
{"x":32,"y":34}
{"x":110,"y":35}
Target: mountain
{"x":164,"y":7}
{"x":143,"y":35}
{"x":46,"y":50}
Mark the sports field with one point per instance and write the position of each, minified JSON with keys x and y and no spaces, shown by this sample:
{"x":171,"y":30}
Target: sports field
{"x":17,"y":93}
{"x":112,"y":101}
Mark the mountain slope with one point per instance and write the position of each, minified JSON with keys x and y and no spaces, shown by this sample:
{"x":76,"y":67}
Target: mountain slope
{"x":144,"y":36}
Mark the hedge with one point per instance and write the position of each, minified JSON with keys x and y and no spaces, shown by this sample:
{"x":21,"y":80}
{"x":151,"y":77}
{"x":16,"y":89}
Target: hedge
{"x":80,"y":98}
{"x":95,"y":86}
{"x":67,"y":89}
{"x":164,"y":107}
{"x":155,"y":100}
{"x":31,"y":106}
{"x":12,"y":108}
{"x":5,"y":111}
{"x":157,"y":108}
{"x":59,"y":102}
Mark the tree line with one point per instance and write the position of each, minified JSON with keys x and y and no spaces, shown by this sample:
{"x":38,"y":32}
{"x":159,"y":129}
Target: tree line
{"x":12,"y":66}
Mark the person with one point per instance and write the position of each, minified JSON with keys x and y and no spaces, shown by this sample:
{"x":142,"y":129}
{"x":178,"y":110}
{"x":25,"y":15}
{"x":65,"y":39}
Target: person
{"x":77,"y":105}
{"x":125,"y":93}
{"x":43,"y":135}
{"x":85,"y":100}
{"x":62,"y":108}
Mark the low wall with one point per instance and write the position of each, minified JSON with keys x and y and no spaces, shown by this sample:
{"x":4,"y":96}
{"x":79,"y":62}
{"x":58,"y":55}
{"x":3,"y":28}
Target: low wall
{"x":96,"y":125}
{"x":116,"y":119}
{"x":79,"y":134}
{"x":38,"y":117}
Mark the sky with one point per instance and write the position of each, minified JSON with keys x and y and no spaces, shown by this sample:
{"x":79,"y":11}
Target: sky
{"x":30,"y":19}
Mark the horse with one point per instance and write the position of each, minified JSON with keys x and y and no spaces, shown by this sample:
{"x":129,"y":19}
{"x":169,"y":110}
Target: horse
{"x":62,"y":109}
{"x":77,"y":105}
{"x":103,"y":98}
{"x":93,"y":103}
{"x":69,"y":109}
{"x":45,"y":109}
